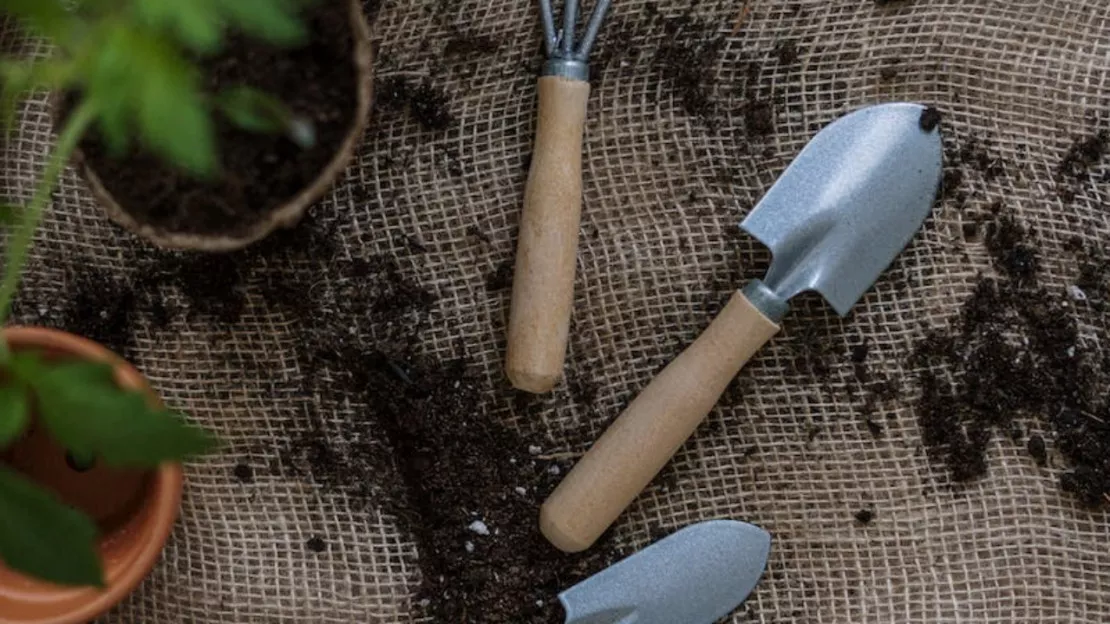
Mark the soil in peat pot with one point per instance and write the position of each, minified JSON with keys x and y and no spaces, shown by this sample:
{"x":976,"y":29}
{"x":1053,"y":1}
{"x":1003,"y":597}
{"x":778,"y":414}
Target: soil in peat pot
{"x":259,"y":172}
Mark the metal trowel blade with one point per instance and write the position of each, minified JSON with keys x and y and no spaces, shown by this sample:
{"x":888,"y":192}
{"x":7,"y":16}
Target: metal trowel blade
{"x":694,"y":576}
{"x":850,"y":202}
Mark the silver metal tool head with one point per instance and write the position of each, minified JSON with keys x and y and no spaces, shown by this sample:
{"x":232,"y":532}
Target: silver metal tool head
{"x":564,"y":57}
{"x":694,"y":576}
{"x":849,"y":203}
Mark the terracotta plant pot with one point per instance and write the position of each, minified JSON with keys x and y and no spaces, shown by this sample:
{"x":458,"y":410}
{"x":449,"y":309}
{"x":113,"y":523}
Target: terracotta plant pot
{"x":134,"y":510}
{"x":287,"y":214}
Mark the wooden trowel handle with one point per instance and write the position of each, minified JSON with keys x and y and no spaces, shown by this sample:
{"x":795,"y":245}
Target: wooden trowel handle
{"x":543,"y":282}
{"x":645,"y":437}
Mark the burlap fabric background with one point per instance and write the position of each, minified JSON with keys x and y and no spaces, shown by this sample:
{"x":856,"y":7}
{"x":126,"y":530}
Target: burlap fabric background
{"x":664,"y":191}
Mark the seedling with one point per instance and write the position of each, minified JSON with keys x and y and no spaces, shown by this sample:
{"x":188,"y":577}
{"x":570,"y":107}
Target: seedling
{"x":130,"y":71}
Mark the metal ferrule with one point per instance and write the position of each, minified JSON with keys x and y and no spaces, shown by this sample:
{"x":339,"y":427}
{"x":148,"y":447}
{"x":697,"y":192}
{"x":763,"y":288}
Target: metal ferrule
{"x":567,"y":68}
{"x":566,"y":55}
{"x":767,"y":301}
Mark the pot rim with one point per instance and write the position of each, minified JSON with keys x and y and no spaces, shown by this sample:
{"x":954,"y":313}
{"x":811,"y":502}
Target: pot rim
{"x":285,"y":215}
{"x":162,"y":501}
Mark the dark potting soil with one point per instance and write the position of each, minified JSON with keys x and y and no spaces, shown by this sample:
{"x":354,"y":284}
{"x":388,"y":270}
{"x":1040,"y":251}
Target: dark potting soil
{"x":786,"y":52}
{"x":466,"y":488}
{"x":243,"y":473}
{"x":501,"y":278}
{"x":976,"y":154}
{"x":259,"y":172}
{"x":316,"y":544}
{"x":890,"y":71}
{"x":106,"y":308}
{"x":467,"y":45}
{"x":1006,"y":242}
{"x":930,"y":119}
{"x":420,"y":447}
{"x":865,"y":516}
{"x":687,"y":57}
{"x":1075,"y":168}
{"x":427,"y":103}
{"x":101,"y":308}
{"x":1015,"y":353}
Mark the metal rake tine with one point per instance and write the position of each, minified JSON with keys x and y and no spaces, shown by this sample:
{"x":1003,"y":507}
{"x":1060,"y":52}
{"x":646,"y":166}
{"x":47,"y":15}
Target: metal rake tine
{"x":550,"y":39}
{"x":592,"y":30}
{"x":570,"y":21}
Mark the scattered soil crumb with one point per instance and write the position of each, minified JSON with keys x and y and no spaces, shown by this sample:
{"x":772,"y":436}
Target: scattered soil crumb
{"x":930,"y":119}
{"x":101,"y":308}
{"x":951,"y":181}
{"x":1074,"y":170}
{"x":1006,"y":242}
{"x":470,"y":45}
{"x":786,"y":52}
{"x":501,"y":278}
{"x":889,"y":71}
{"x":316,"y":544}
{"x":478,"y":233}
{"x":1036,"y":447}
{"x":865,"y":516}
{"x":860,"y":351}
{"x":976,"y":154}
{"x":970,"y":230}
{"x":760,"y":117}
{"x":874,"y":427}
{"x":813,"y":353}
{"x":427,"y":104}
{"x":687,"y":57}
{"x":243,"y":473}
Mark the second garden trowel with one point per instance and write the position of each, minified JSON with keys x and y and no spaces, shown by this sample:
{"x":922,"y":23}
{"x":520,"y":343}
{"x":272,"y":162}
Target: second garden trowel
{"x":694,"y":576}
{"x":836,"y":218}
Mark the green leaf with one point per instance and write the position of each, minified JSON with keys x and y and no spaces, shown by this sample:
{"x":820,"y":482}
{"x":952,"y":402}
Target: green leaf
{"x":9,"y":214}
{"x":44,"y":538}
{"x":14,"y":413}
{"x":182,"y":133}
{"x":114,"y":128}
{"x":89,"y":414}
{"x":46,"y":17}
{"x":275,"y":21}
{"x":174,"y":120}
{"x":253,"y":110}
{"x":196,"y":23}
{"x":256,"y":111}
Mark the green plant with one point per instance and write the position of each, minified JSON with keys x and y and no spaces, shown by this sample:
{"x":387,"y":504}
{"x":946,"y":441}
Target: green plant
{"x":130,"y":70}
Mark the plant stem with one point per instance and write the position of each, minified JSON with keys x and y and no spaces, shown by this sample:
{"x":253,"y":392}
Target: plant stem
{"x":19,"y":242}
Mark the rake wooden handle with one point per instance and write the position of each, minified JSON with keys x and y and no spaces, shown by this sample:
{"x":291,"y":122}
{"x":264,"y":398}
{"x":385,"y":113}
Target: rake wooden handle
{"x":543,"y":282}
{"x":652,"y":429}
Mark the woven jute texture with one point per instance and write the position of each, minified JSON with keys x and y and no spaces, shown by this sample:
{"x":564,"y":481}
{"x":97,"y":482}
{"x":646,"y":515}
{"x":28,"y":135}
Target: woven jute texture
{"x":673,"y":161}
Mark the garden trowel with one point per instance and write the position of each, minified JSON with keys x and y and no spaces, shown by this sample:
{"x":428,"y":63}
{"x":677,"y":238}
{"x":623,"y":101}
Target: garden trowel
{"x":694,"y":576}
{"x":836,"y":218}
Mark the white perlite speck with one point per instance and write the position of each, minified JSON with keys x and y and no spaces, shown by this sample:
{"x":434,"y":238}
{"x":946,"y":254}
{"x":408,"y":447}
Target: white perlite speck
{"x":554,"y":469}
{"x":469,"y":547}
{"x":478,"y":527}
{"x":520,"y":490}
{"x":534,"y":450}
{"x":1077,"y":293}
